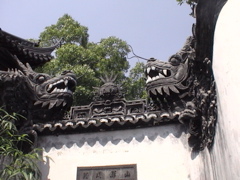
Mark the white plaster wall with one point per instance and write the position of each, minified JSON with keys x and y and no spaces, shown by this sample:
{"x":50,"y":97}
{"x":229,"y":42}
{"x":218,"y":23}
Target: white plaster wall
{"x":161,"y":153}
{"x":226,"y":66}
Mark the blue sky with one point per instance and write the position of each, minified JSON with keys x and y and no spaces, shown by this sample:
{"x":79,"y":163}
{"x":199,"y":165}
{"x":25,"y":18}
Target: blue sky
{"x":154,"y":28}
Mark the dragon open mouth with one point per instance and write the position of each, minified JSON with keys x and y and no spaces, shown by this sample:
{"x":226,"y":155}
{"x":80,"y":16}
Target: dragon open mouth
{"x":154,"y":73}
{"x":67,"y":84}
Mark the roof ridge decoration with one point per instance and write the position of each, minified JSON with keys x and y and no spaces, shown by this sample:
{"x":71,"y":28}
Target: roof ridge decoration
{"x":109,"y":91}
{"x":181,"y":90}
{"x":108,"y":103}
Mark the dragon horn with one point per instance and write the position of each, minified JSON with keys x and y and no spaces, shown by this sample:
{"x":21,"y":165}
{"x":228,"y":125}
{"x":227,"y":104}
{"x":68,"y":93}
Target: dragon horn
{"x":29,"y":67}
{"x":26,"y":69}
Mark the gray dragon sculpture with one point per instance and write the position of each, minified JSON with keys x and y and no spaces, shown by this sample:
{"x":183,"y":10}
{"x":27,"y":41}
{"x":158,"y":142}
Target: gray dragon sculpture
{"x":184,"y":87}
{"x":37,"y":97}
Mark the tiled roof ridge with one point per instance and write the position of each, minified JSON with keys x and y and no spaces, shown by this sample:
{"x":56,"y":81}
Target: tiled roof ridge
{"x":26,"y":50}
{"x":129,"y":121}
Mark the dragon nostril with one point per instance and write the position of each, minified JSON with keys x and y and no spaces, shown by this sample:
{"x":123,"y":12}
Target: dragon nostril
{"x":151,"y":59}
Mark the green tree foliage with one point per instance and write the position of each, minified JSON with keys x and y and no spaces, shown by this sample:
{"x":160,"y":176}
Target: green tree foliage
{"x":135,"y":83}
{"x":66,"y":28}
{"x":88,"y":60}
{"x":14,"y":164}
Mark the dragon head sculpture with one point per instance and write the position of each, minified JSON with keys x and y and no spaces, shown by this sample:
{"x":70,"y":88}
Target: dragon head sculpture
{"x":36,"y":96}
{"x":184,"y":89}
{"x":170,"y":80}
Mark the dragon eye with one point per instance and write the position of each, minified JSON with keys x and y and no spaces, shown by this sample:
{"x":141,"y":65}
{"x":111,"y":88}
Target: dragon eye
{"x":175,"y":61}
{"x":40,"y":79}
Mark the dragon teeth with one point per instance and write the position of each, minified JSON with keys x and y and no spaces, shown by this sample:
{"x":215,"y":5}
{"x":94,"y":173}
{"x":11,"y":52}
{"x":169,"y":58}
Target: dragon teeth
{"x":166,"y":90}
{"x":160,"y":75}
{"x":154,"y":92}
{"x":148,"y":70}
{"x":165,"y":72}
{"x":149,"y":79}
{"x":63,"y":90}
{"x":159,"y":89}
{"x":55,"y":90}
{"x":66,"y":82}
{"x":50,"y":87}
